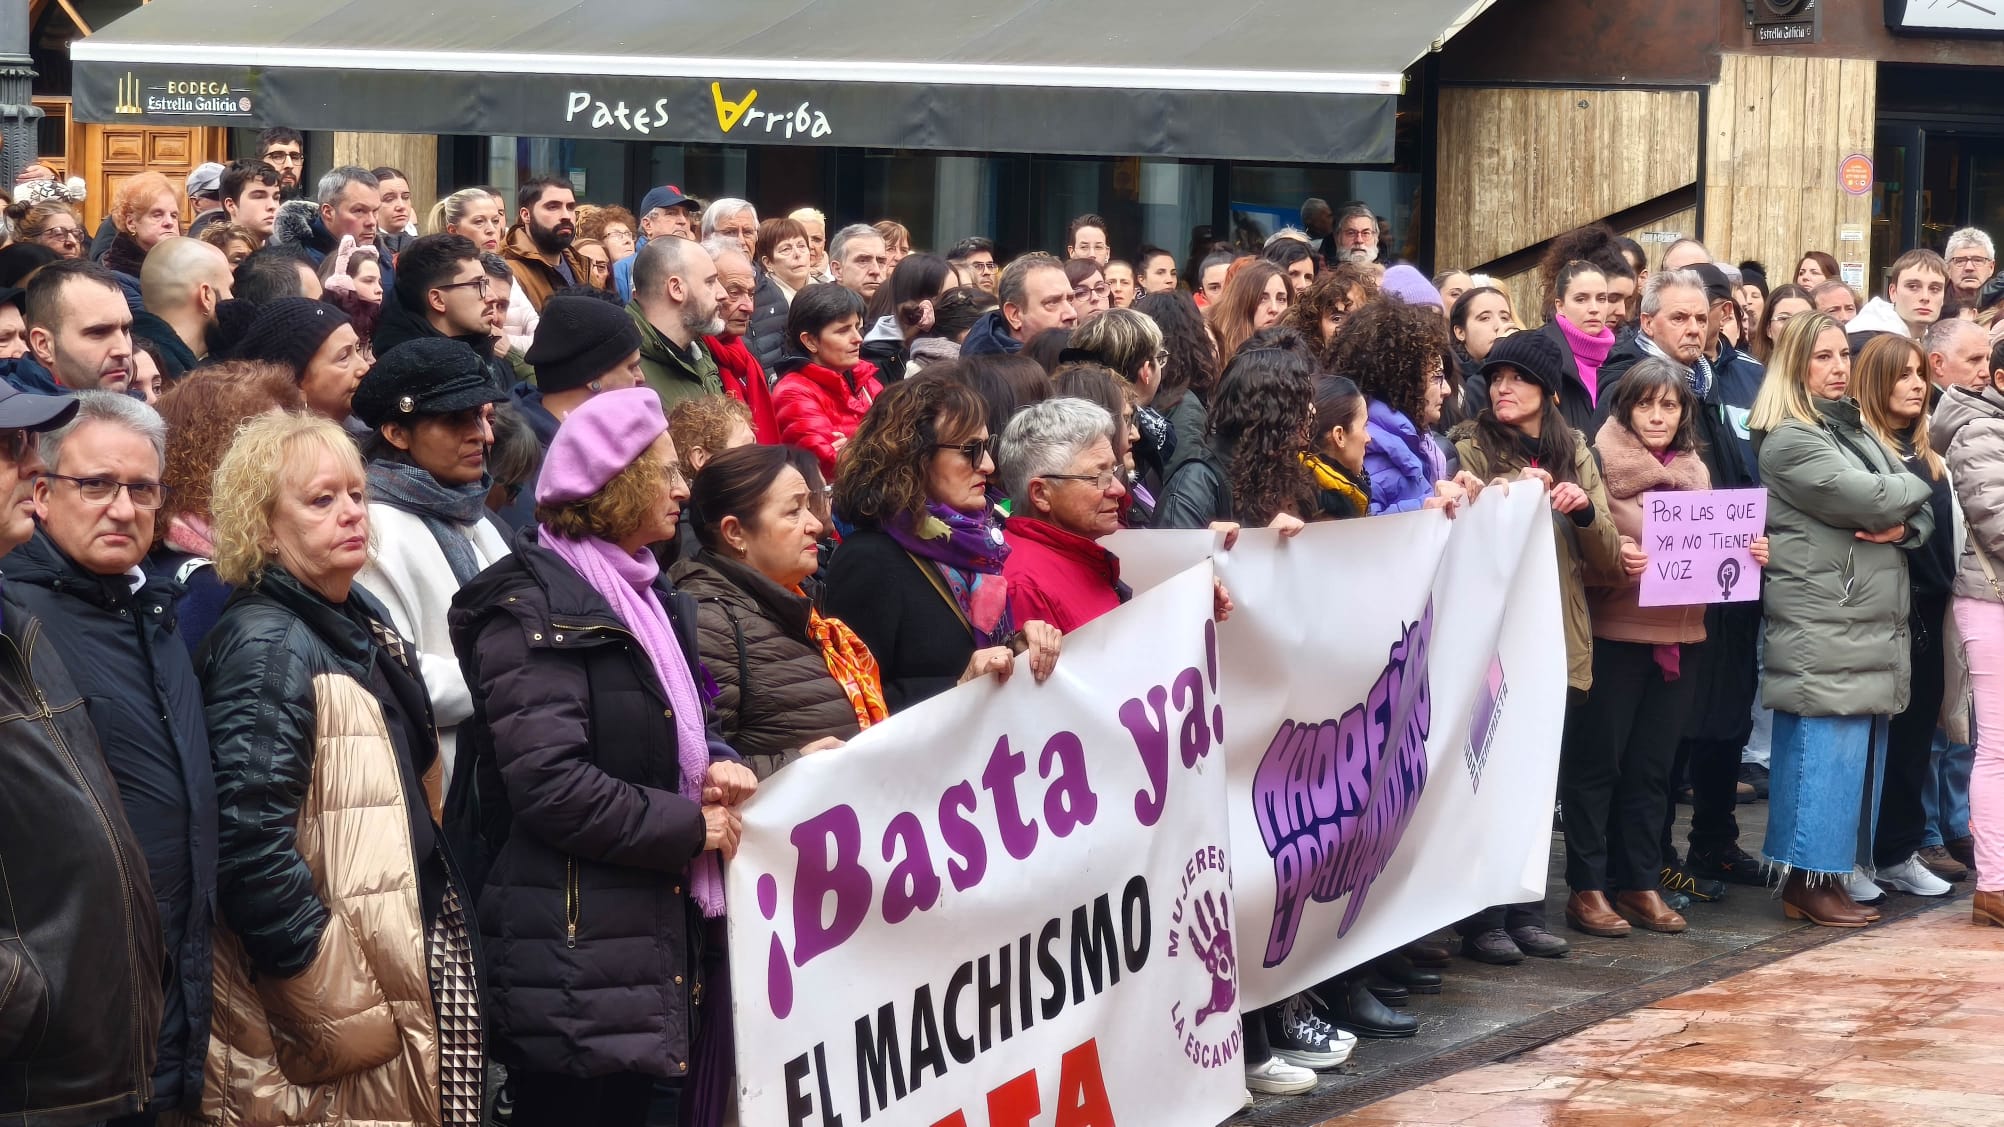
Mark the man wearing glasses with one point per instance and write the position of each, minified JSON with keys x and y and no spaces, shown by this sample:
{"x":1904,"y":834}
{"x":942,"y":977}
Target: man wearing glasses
{"x":285,"y":150}
{"x":442,"y":290}
{"x":976,"y":257}
{"x":84,"y":932}
{"x":1972,"y":258}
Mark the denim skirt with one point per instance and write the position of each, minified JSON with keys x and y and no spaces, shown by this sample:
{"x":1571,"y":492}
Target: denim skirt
{"x":1824,"y":780}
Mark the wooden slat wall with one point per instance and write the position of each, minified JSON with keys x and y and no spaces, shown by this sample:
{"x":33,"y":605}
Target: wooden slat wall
{"x":1518,"y":166}
{"x":1523,"y":287}
{"x":413,"y":153}
{"x":1777,"y":127}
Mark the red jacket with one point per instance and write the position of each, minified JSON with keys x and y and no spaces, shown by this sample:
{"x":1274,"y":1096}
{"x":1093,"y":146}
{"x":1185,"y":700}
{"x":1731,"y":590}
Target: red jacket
{"x":744,"y":381}
{"x":814,"y":404}
{"x":1057,"y":576}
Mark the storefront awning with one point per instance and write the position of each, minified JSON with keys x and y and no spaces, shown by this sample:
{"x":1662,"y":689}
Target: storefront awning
{"x":1279,"y":80}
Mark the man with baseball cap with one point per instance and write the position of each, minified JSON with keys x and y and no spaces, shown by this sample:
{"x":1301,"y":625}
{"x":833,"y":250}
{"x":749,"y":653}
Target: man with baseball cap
{"x":205,"y":197}
{"x":83,"y":929}
{"x":664,"y":212}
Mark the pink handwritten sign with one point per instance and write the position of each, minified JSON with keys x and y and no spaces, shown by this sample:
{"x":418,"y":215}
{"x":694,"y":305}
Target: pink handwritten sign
{"x":1698,"y":545}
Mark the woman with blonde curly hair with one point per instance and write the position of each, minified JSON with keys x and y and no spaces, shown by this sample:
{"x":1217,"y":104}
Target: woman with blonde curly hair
{"x":591,"y":729}
{"x":346,"y":988}
{"x":920,"y":576}
{"x":613,"y":226}
{"x":203,"y":412}
{"x":145,"y":209}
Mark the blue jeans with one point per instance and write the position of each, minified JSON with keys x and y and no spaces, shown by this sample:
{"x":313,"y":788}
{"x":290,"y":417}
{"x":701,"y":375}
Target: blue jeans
{"x":1823,"y":790}
{"x":1945,"y":791}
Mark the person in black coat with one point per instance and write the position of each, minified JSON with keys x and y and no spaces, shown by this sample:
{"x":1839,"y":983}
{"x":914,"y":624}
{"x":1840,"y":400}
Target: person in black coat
{"x":923,"y":542}
{"x":581,"y":780}
{"x":136,"y":676}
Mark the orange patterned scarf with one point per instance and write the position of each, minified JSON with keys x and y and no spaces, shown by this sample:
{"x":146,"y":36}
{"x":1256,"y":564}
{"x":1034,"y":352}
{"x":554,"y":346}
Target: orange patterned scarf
{"x":851,"y":664}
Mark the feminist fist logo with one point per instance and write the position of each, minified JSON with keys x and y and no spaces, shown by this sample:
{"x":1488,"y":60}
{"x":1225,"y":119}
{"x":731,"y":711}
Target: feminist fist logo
{"x":1210,"y":934}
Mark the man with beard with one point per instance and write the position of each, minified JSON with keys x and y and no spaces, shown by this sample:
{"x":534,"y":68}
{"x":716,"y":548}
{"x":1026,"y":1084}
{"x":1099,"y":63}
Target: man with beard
{"x":285,"y":150}
{"x":183,"y":282}
{"x":1356,"y":235}
{"x":79,"y":327}
{"x":677,"y":294}
{"x":737,"y":368}
{"x":539,"y":248}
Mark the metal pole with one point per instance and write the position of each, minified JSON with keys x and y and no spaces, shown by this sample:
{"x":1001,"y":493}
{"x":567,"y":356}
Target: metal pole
{"x":20,"y":118}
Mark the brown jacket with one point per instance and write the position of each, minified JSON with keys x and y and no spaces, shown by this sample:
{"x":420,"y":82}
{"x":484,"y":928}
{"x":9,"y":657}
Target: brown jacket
{"x":535,"y":271}
{"x":353,"y":1038}
{"x":1629,"y":470}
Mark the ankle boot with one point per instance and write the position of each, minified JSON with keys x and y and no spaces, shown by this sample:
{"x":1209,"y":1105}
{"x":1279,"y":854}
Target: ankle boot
{"x":1590,"y":912}
{"x":1988,"y":909}
{"x":1824,"y":902}
{"x":1647,"y":909}
{"x":1397,"y":968}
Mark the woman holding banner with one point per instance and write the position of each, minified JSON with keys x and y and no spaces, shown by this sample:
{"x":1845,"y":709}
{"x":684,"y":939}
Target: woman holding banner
{"x":1620,"y":742}
{"x":919,"y":577}
{"x":1893,"y":396}
{"x":1843,"y":516}
{"x":1523,"y":435}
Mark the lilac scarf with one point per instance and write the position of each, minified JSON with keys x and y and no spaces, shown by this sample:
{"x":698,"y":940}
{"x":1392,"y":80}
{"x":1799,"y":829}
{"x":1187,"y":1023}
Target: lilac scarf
{"x":627,"y":583}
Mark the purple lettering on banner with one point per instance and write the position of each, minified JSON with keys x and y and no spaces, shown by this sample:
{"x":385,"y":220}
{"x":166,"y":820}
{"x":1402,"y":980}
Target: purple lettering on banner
{"x":1332,"y":799}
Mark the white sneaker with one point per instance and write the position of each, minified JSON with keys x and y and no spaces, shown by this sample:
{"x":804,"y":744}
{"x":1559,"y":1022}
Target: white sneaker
{"x":1912,"y":876}
{"x":1276,"y":1077}
{"x":1862,"y":888}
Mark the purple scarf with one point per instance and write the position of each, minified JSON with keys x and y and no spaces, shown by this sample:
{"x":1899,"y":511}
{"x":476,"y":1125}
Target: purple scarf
{"x":968,"y":550}
{"x":627,"y":583}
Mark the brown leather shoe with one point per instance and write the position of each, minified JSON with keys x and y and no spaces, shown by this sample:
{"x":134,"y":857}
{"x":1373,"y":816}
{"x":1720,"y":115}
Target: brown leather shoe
{"x":1936,"y":859}
{"x":1824,"y":903}
{"x":1591,"y":913}
{"x":1428,"y":954}
{"x":1647,"y":909}
{"x":1988,"y":909}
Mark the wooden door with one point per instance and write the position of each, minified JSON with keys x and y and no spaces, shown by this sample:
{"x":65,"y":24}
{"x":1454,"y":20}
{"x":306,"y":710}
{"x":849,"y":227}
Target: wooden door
{"x":108,"y":155}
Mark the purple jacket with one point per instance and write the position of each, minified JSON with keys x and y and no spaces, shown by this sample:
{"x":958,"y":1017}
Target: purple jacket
{"x":1402,"y":461}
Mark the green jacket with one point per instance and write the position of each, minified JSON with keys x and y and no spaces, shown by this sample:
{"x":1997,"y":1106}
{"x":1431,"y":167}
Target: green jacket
{"x":674,"y":374}
{"x":1588,"y":554}
{"x":1836,"y":606}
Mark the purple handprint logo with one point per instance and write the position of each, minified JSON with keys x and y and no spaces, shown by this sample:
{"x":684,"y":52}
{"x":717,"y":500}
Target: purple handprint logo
{"x":1211,"y":938}
{"x":1205,"y":1015}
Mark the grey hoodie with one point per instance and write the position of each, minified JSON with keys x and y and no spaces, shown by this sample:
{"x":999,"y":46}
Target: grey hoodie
{"x":1967,"y":430}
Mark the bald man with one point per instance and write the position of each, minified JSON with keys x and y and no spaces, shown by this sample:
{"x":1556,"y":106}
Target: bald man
{"x":182,"y":283}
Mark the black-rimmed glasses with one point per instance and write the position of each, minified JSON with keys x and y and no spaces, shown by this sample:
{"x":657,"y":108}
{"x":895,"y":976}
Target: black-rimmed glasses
{"x":103,"y":490}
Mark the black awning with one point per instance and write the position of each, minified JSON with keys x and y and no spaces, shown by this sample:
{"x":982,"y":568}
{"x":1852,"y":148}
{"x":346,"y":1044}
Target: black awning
{"x":1281,"y":80}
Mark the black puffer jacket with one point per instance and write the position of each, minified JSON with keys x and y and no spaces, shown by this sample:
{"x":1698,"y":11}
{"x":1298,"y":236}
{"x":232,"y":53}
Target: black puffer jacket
{"x":768,"y":325}
{"x":591,"y":934}
{"x":124,"y":653}
{"x":80,"y":952}
{"x":774,"y":691}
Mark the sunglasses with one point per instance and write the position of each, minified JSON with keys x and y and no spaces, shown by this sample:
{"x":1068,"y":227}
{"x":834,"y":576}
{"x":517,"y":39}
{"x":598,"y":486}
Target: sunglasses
{"x":972,"y":451}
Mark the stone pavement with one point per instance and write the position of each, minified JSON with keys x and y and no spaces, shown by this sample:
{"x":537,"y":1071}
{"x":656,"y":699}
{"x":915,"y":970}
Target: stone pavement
{"x":1899,"y":1024}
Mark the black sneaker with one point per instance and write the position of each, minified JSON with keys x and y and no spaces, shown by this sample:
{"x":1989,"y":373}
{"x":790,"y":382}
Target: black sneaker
{"x":1493,"y":946}
{"x":1755,"y":776}
{"x":1732,"y":865}
{"x":1676,"y":880}
{"x":1534,"y":940}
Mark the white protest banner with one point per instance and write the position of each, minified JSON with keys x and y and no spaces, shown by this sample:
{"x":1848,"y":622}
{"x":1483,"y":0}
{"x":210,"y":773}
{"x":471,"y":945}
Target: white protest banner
{"x":1397,"y":690}
{"x":1009,"y":905}
{"x":1698,"y":542}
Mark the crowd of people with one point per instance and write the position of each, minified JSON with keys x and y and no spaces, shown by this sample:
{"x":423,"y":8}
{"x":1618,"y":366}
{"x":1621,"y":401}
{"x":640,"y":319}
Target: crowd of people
{"x":399,"y":610}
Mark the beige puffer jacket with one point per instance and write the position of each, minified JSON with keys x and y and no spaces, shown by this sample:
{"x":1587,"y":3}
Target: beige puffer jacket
{"x":353,"y":1038}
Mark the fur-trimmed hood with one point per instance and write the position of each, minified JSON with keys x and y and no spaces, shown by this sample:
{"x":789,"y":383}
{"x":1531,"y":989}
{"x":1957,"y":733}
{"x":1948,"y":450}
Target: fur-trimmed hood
{"x":298,"y":224}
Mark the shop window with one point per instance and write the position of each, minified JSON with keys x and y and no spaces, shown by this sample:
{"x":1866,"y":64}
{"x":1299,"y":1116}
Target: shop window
{"x":1265,"y":198}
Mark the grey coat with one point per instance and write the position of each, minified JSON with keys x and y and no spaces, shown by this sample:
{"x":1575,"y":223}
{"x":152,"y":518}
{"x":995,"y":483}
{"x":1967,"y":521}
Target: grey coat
{"x":1836,"y":606}
{"x":1968,"y":431}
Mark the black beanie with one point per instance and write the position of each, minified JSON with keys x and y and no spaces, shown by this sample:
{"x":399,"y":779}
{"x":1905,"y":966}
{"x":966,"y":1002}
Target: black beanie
{"x":1534,"y":355}
{"x":289,"y":331}
{"x":578,"y":340}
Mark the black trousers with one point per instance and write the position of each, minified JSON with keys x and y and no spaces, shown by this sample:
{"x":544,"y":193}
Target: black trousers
{"x":1902,"y":826}
{"x":545,"y":1099}
{"x":1614,"y":769}
{"x":1713,"y":769}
